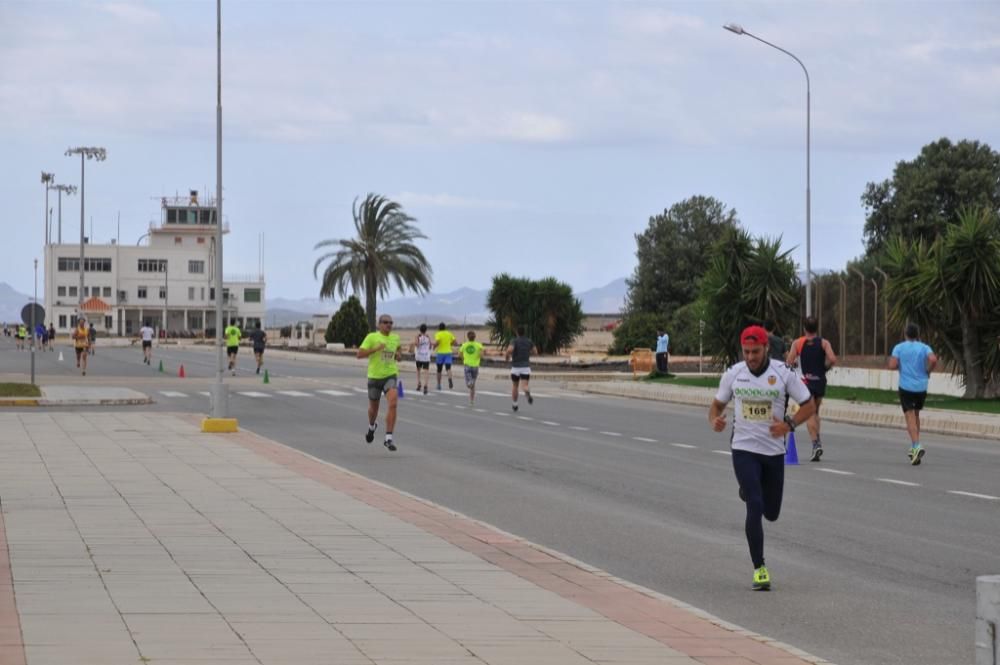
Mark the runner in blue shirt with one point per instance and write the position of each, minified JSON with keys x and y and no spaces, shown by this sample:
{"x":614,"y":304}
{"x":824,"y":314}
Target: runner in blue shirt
{"x":915,"y":361}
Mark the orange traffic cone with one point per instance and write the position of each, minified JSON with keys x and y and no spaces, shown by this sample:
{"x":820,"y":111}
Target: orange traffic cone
{"x":180,"y":372}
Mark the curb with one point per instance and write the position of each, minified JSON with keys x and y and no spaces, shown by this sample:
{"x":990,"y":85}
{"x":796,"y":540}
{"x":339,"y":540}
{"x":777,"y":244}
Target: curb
{"x":95,"y":402}
{"x":931,"y":420}
{"x":20,"y":401}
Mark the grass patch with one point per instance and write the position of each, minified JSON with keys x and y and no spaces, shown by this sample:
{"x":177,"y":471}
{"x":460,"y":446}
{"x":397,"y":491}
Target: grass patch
{"x":870,"y":395}
{"x":19,"y":390}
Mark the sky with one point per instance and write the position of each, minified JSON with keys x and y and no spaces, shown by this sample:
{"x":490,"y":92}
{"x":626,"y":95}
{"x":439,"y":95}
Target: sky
{"x":533,"y":138}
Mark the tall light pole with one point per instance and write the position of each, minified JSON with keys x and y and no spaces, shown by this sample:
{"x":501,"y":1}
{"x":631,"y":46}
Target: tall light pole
{"x":885,"y":311}
{"x":68,"y":189}
{"x":738,"y":29}
{"x":220,"y":400}
{"x":47,"y":179}
{"x":99,"y":154}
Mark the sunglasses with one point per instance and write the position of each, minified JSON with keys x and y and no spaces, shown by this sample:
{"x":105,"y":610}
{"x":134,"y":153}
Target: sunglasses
{"x":388,"y":323}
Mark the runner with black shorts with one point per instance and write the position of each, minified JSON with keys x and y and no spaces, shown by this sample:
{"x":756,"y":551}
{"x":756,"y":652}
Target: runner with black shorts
{"x":816,"y":356}
{"x":519,"y":355}
{"x":382,"y":348}
{"x":422,"y":353}
{"x":760,"y":424}
{"x":915,"y":361}
{"x":259,"y":340}
{"x":233,"y":335}
{"x":146,"y":333}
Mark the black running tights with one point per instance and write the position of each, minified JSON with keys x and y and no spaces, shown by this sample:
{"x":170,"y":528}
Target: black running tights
{"x":762,"y":479}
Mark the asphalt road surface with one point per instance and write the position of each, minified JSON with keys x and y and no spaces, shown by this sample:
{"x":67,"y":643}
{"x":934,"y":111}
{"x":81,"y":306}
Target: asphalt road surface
{"x":873,"y":561}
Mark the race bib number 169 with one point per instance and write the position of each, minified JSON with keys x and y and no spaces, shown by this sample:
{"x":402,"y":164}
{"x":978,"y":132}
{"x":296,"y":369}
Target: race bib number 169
{"x":756,"y":410}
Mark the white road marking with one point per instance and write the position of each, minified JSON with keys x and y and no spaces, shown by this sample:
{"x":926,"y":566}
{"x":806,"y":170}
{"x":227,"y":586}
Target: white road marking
{"x":525,"y":418}
{"x":441,"y":403}
{"x":339,"y":393}
{"x":459,"y":406}
{"x":684,"y":445}
{"x":836,"y":471}
{"x":579,"y":429}
{"x":255,"y":394}
{"x":721,"y":452}
{"x":642,"y":438}
{"x":898,"y":482}
{"x":205,"y":393}
{"x":294,"y":393}
{"x":490,"y":392}
{"x":501,"y":413}
{"x":974,"y":495}
{"x":172,"y":393}
{"x":357,"y":390}
{"x":611,"y":433}
{"x":480,"y":410}
{"x":550,"y":423}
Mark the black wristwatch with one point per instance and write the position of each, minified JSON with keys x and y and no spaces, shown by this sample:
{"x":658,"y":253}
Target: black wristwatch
{"x":790,"y":422}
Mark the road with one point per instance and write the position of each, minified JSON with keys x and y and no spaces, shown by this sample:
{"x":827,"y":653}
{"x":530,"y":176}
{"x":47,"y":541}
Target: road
{"x":873,"y":561}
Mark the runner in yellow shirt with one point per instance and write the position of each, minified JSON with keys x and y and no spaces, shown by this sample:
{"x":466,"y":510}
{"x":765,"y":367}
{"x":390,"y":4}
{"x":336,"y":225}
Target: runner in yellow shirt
{"x":233,"y":335}
{"x":445,"y":341}
{"x":382,"y":348}
{"x":472,"y":357}
{"x":81,"y":343}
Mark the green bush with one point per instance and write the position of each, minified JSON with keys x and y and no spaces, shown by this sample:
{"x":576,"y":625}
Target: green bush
{"x":348,"y":325}
{"x":638,"y":331}
{"x":551,"y":314}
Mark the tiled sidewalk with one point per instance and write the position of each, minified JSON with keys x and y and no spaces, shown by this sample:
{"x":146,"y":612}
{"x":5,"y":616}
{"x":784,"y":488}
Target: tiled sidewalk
{"x":134,"y":538}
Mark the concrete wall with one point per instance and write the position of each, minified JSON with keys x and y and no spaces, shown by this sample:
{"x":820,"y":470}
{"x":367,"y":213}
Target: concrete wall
{"x":883,"y":379}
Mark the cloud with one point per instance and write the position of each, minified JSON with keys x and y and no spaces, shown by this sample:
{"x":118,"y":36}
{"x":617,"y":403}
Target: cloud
{"x":131,"y":12}
{"x":656,"y":22}
{"x":451,"y":201}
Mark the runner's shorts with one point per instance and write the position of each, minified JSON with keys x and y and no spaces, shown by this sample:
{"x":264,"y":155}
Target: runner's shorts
{"x":147,"y":343}
{"x":423,"y":364}
{"x":258,"y":350}
{"x":80,"y":350}
{"x":471,"y":374}
{"x":911,"y":401}
{"x":517,"y":373}
{"x":231,"y":350}
{"x":379,"y":387}
{"x":444,"y":359}
{"x":817,"y":387}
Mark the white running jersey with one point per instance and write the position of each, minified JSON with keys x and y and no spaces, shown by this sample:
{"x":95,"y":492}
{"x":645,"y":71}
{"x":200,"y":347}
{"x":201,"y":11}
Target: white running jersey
{"x":423,"y":351}
{"x":760,"y":400}
{"x":147,"y":333}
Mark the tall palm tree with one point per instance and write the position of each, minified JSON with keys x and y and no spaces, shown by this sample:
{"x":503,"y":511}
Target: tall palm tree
{"x":381,"y":253}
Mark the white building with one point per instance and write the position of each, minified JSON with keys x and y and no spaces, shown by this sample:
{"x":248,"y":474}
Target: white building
{"x":168,"y":283}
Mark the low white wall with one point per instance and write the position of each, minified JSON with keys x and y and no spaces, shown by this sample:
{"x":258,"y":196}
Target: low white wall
{"x":883,"y":379}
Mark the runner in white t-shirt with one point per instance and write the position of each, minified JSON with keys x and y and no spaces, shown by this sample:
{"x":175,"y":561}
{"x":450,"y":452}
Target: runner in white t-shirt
{"x":146,"y":333}
{"x":760,"y":388}
{"x":422,"y":354}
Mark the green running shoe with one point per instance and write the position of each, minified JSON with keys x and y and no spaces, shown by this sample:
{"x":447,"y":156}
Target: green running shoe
{"x":761,"y":579}
{"x":916,"y":455}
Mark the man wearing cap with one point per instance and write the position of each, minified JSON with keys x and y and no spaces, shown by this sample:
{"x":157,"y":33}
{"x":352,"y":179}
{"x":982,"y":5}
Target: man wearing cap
{"x":760,"y":388}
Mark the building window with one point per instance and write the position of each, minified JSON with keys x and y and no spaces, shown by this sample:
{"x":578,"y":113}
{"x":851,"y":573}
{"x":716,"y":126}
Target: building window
{"x":107,"y":292}
{"x":251,"y":295}
{"x":69,"y":265}
{"x":211,"y":293}
{"x":201,"y":240}
{"x":178,"y":240}
{"x":108,"y":322}
{"x":206,"y":216}
{"x":72,"y":321}
{"x":190,"y":293}
{"x":194,"y":321}
{"x":163,"y":293}
{"x":72,"y":292}
{"x":152,"y":265}
{"x":141,"y":293}
{"x":62,"y":320}
{"x":96,"y":265}
{"x":196,"y":267}
{"x":61,"y":291}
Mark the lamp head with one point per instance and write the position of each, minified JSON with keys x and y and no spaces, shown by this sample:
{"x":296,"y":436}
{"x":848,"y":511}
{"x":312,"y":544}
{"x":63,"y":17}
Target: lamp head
{"x":47,"y":177}
{"x":100,"y":154}
{"x":734,"y":28}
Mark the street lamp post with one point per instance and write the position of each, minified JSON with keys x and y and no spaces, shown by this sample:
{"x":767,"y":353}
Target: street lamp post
{"x":47,"y":179}
{"x":34,"y":336}
{"x":220,"y":398}
{"x":99,"y":154}
{"x":737,"y":29}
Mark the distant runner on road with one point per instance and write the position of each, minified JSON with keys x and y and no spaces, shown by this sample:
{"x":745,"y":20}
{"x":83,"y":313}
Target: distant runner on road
{"x":915,"y":362}
{"x":816,"y":356}
{"x":233,"y":335}
{"x":259,"y":340}
{"x":146,"y":333}
{"x":519,"y":355}
{"x":382,"y":348}
{"x":445,"y":342}
{"x":422,"y":354}
{"x":761,"y":388}
{"x":472,"y":357}
{"x":81,"y":343}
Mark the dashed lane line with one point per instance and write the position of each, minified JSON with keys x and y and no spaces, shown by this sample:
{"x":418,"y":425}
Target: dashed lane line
{"x":975,"y":495}
{"x":684,"y":445}
{"x":721,"y":452}
{"x":610,"y":433}
{"x":525,"y":418}
{"x":893,"y":481}
{"x":839,"y":472}
{"x":643,"y":438}
{"x":501,"y":413}
{"x":172,"y":393}
{"x":333,"y":393}
{"x":254,"y":394}
{"x":579,"y":429}
{"x":296,"y":393}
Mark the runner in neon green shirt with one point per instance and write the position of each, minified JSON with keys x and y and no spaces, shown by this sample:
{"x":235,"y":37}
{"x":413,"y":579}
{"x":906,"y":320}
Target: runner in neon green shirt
{"x":382,"y":348}
{"x":472,"y":356}
{"x":444,"y":341}
{"x":233,"y":335}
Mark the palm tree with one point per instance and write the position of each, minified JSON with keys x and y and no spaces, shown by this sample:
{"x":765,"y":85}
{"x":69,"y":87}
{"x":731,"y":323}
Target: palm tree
{"x":381,"y":253}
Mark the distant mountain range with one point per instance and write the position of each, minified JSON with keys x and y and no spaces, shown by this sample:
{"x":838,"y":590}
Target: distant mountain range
{"x":11,"y":303}
{"x":463,"y":305}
